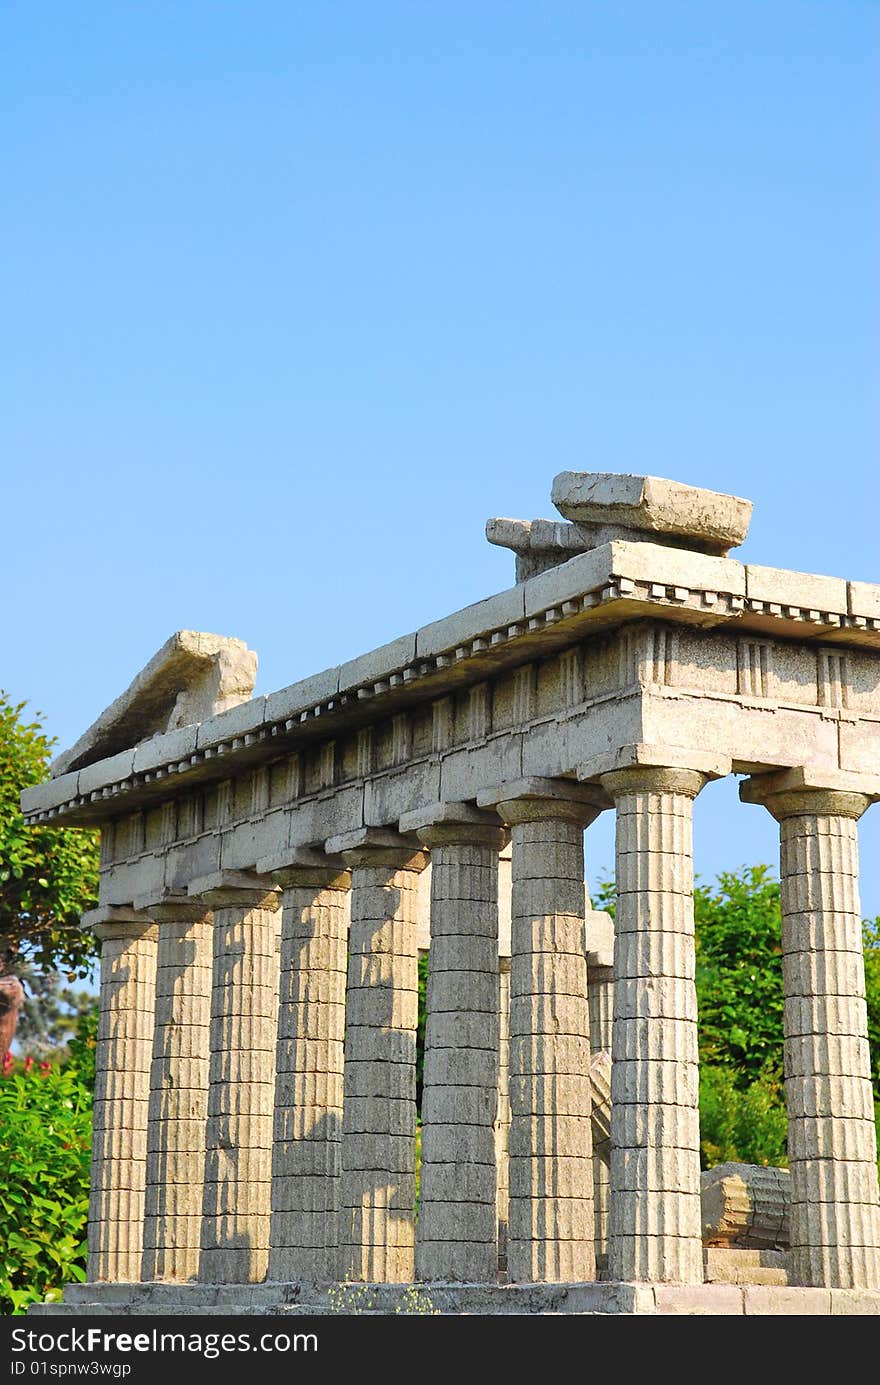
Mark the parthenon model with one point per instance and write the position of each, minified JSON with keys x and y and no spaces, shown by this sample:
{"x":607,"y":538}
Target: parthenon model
{"x":271,"y":867}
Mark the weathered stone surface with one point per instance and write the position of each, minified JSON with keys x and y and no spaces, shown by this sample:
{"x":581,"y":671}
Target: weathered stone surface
{"x":179,"y":1078}
{"x":238,"y":1163}
{"x":626,"y":672}
{"x":651,"y":505}
{"x":745,"y":1205}
{"x":550,"y":1217}
{"x":654,"y":1232}
{"x":309,"y":1067}
{"x":122,"y":1087}
{"x":376,"y":1220}
{"x":191,"y":677}
{"x":835,"y":1204}
{"x":462,"y":998}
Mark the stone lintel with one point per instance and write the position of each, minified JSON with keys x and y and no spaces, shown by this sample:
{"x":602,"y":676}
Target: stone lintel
{"x":232,"y":888}
{"x":116,"y":921}
{"x":377,"y":846}
{"x":652,"y":504}
{"x":521,"y":800}
{"x":305,"y":865}
{"x":659,"y":756}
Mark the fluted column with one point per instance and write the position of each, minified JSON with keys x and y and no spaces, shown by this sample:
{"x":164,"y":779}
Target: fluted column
{"x":834,"y":1215}
{"x":178,"y":1090}
{"x":550,"y":1235}
{"x":600,"y":990}
{"x":238,"y":1161}
{"x":654,"y":1231}
{"x":502,"y":1117}
{"x":306,"y":1157}
{"x":122,"y":1086}
{"x":377,"y":1203}
{"x":457,"y":1232}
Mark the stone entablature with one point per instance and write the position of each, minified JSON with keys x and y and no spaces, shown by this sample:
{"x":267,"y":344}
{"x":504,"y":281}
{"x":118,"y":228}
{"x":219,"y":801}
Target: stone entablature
{"x":595,"y":591}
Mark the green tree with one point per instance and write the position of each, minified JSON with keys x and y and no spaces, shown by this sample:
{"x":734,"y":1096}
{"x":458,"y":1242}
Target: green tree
{"x":48,"y":877}
{"x":45,"y":1143}
{"x":50,"y":1013}
{"x":739,"y":973}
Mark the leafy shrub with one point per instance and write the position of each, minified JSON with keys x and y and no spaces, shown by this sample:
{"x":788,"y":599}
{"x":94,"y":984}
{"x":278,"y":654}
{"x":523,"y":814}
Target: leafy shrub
{"x":746,"y":1125}
{"x":45,"y":1144}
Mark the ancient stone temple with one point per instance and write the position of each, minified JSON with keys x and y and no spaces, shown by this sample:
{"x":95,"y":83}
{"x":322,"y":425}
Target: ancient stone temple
{"x":272,"y":867}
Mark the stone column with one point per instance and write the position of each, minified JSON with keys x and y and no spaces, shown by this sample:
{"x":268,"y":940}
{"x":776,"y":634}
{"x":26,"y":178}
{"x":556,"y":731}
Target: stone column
{"x":550,"y":1236}
{"x":377,"y":1204}
{"x":832,"y":1144}
{"x":457,"y":1232}
{"x":238,"y":1162}
{"x":122,"y":1087}
{"x":600,"y":984}
{"x":654,"y":1231}
{"x":178,"y":1090}
{"x":306,"y":1158}
{"x":502,"y":1118}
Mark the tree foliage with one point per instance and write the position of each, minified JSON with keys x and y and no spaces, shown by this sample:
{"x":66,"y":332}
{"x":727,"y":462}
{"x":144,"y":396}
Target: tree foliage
{"x":48,"y":877}
{"x":45,"y":1143}
{"x":739,"y":992}
{"x":50,"y":1013}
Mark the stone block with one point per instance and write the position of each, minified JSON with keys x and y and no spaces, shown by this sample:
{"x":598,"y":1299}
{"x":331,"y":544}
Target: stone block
{"x":495,"y":613}
{"x":235,"y":722}
{"x":801,"y":590}
{"x":699,"y":1300}
{"x":316,"y":819}
{"x":388,"y":797}
{"x":864,"y":599}
{"x":852,"y":1302}
{"x":770,"y":1301}
{"x":38,"y":798}
{"x":164,"y":750}
{"x":652,"y":504}
{"x":111,"y":771}
{"x":599,"y":934}
{"x":570,"y":580}
{"x":288,"y":702}
{"x":675,"y":567}
{"x":465,"y":773}
{"x":378,"y":663}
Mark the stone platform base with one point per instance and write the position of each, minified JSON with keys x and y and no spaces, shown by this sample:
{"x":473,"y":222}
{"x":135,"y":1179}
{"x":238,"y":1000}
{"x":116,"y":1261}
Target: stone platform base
{"x":483,"y":1299}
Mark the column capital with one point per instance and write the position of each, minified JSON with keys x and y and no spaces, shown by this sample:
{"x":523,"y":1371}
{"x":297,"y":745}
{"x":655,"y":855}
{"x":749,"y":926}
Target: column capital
{"x":534,"y":798}
{"x":225,"y":889}
{"x":645,"y":755}
{"x":306,"y":866}
{"x":112,"y":922}
{"x":171,"y":906}
{"x":454,"y":824}
{"x":376,"y":846}
{"x":653,"y":779}
{"x":807,"y":790}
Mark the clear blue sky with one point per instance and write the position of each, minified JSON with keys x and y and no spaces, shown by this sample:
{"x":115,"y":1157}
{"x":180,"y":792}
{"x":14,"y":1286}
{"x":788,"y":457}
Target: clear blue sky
{"x":296,"y":295}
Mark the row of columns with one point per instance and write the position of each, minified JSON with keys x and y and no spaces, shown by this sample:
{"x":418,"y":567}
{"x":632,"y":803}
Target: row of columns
{"x":192,"y":1178}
